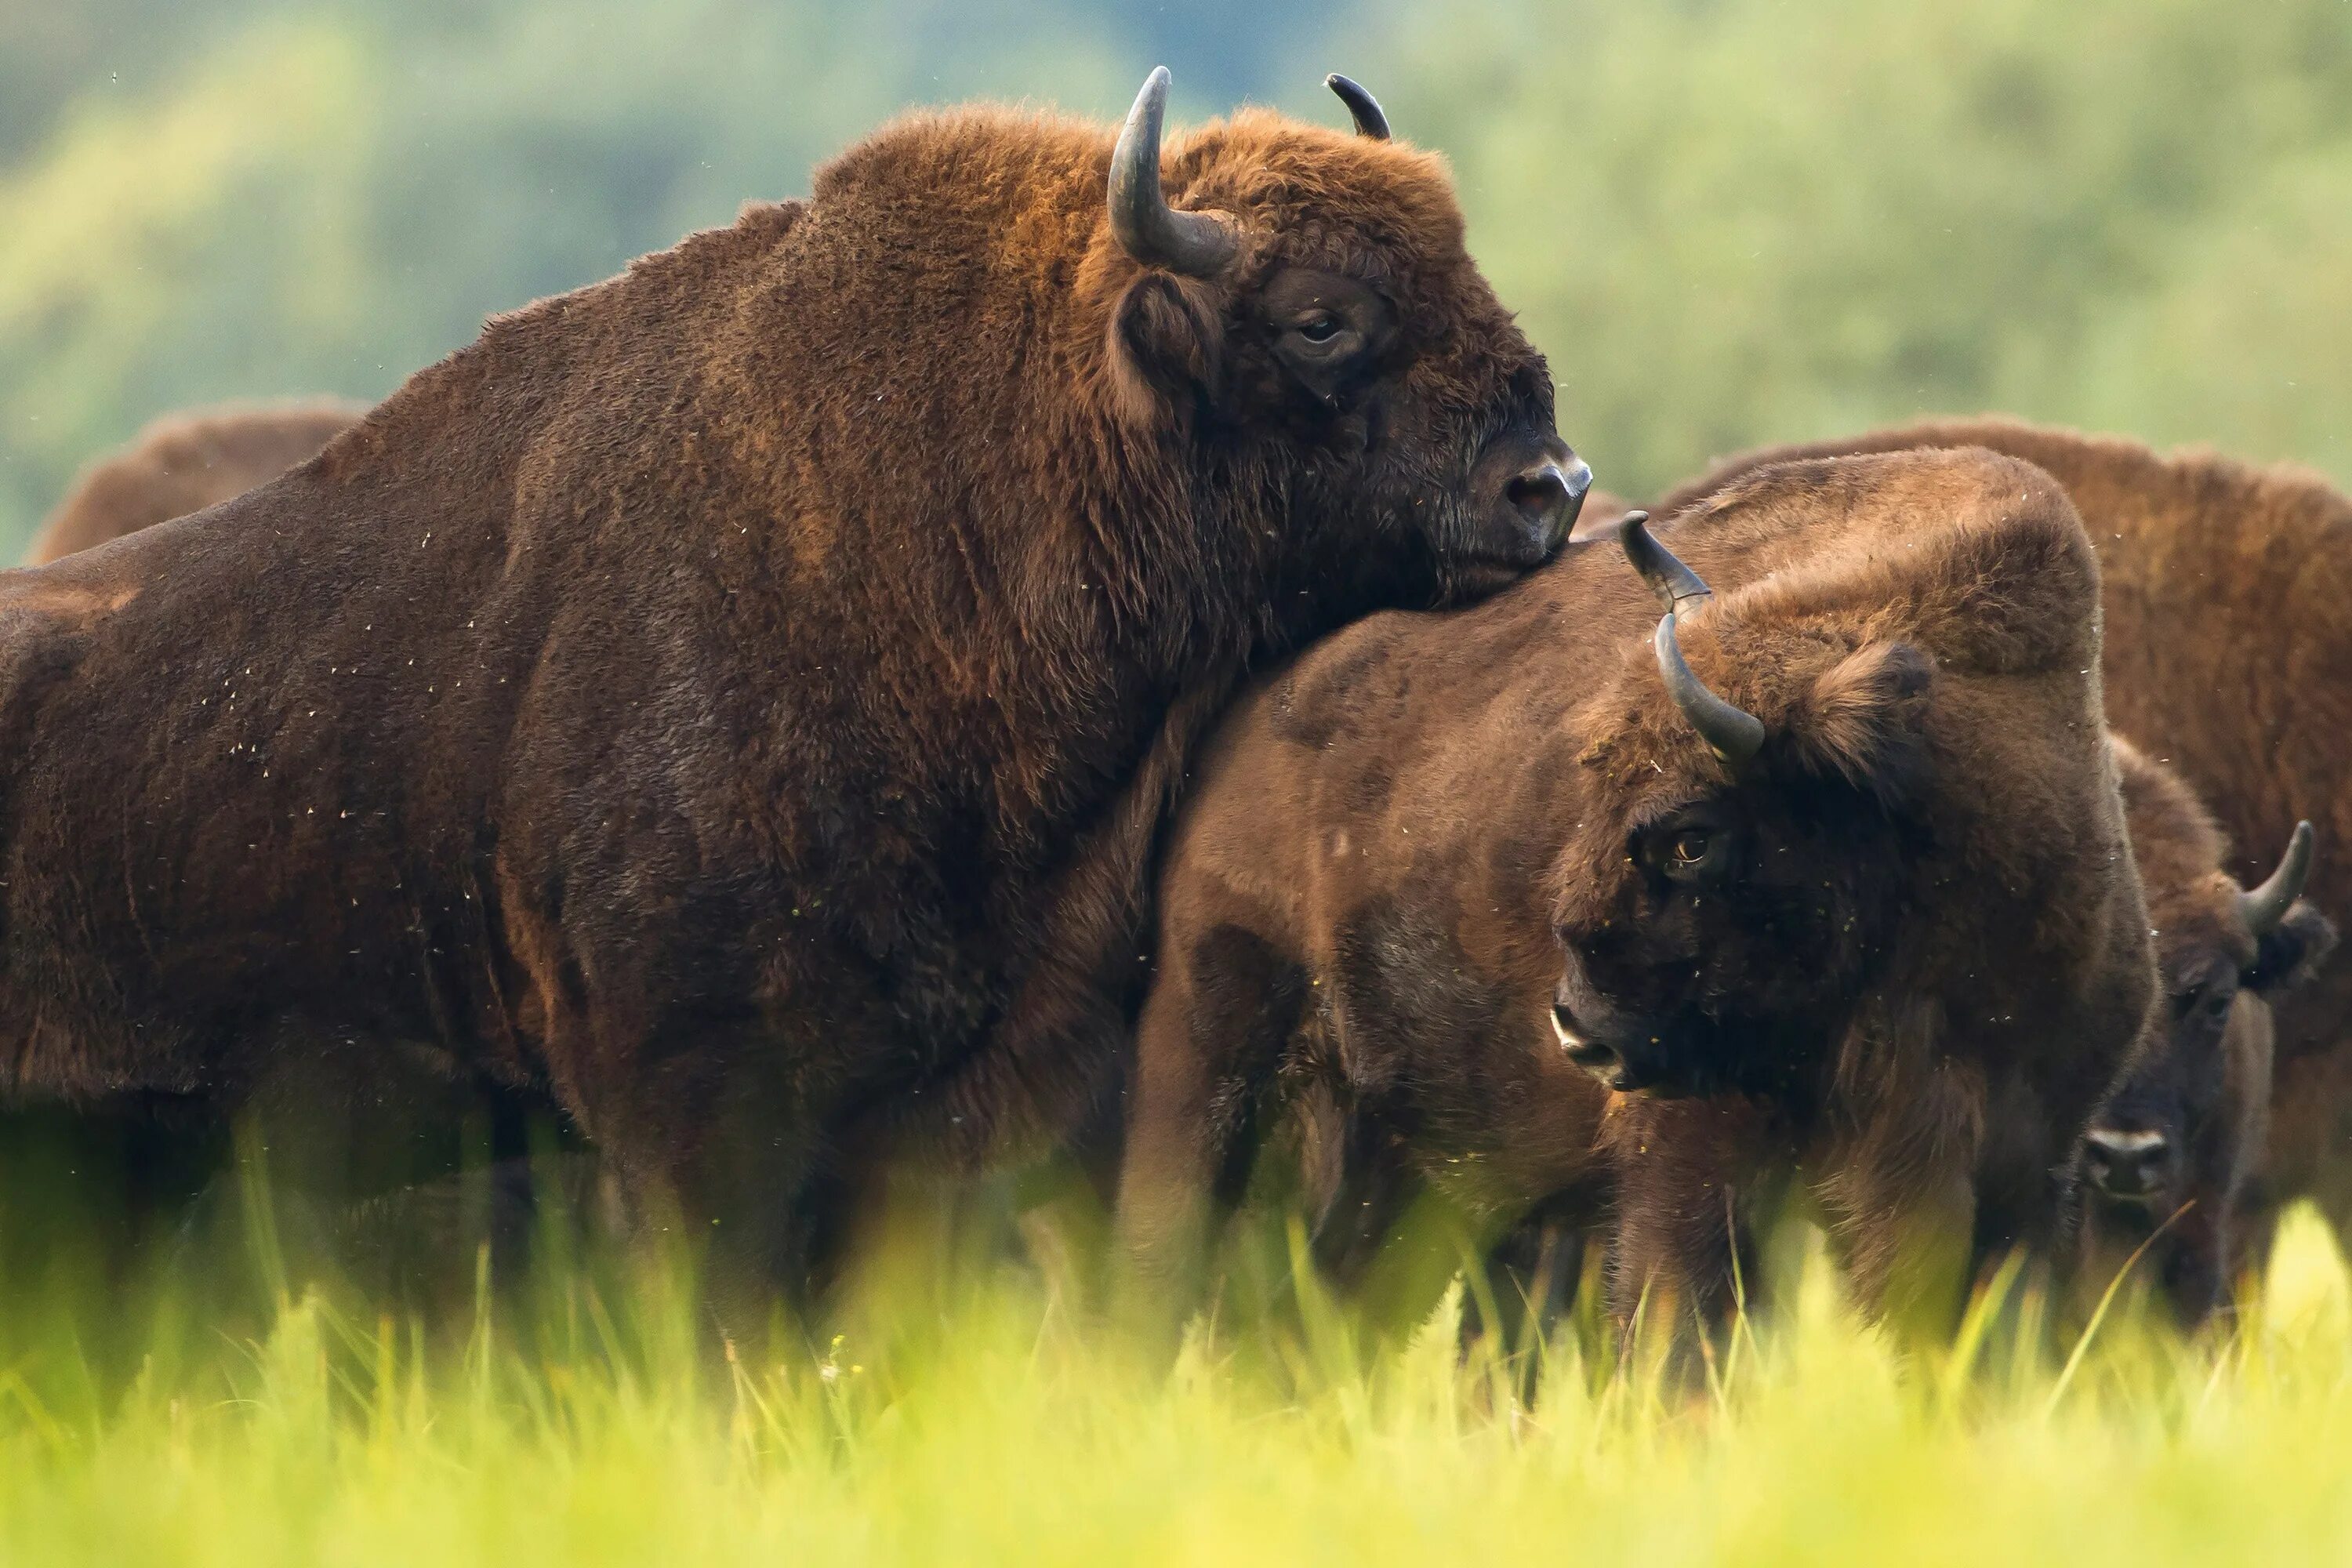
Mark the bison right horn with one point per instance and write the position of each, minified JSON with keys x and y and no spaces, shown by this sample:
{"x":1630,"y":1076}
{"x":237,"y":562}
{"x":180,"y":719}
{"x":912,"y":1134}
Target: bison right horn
{"x":1149,"y":230}
{"x":1673,"y":582}
{"x":2265,"y":906}
{"x":1362,"y":107}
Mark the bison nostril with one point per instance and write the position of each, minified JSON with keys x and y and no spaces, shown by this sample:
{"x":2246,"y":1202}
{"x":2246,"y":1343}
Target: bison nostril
{"x":1588,"y":1054}
{"x":2126,"y":1164}
{"x":1547,"y":496}
{"x":1538,"y":493}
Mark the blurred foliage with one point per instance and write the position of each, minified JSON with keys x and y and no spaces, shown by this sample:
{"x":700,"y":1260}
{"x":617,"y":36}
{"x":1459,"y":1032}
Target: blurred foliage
{"x":1738,"y":221}
{"x":1727,"y":221}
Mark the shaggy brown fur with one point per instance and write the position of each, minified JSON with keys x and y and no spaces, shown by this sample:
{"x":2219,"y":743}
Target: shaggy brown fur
{"x":1911,"y":941}
{"x":184,"y":463}
{"x":741,"y":696}
{"x":2174,"y":1152}
{"x":2228,"y":603}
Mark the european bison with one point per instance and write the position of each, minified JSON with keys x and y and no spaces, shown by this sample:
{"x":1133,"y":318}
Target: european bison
{"x":2174,"y":1155}
{"x":743,"y":696}
{"x":2228,"y":652}
{"x":1821,"y":882}
{"x":184,"y":463}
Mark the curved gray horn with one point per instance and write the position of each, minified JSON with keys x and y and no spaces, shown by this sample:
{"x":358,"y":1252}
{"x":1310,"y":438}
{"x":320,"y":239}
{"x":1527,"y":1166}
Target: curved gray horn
{"x":1673,"y":582}
{"x":2265,"y":906}
{"x":1149,"y":230}
{"x":1731,"y":733}
{"x":1362,"y":107}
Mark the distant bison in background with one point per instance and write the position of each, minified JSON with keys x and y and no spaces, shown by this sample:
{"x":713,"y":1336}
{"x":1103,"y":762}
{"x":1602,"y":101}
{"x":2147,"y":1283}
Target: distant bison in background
{"x":2177,"y":1151}
{"x":186,"y":462}
{"x":1544,"y":910}
{"x":743,"y":696}
{"x":2228,"y":652}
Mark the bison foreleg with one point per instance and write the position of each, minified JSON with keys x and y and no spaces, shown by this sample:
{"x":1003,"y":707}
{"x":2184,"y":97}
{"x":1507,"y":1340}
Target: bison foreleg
{"x":1212,"y":1033}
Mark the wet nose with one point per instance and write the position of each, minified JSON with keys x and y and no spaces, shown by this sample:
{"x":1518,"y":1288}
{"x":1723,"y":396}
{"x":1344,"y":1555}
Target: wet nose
{"x":1600,"y":1060}
{"x":2127,"y":1162}
{"x":1548,"y":494}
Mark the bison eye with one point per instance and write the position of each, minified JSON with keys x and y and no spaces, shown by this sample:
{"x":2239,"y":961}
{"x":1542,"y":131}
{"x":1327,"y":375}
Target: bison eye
{"x":1691,"y":852}
{"x":2207,"y":1000}
{"x":1318,"y":329}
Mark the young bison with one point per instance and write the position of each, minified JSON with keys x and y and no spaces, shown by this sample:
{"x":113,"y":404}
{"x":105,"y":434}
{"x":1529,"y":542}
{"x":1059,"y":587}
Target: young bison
{"x":2174,"y":1155}
{"x":186,"y":463}
{"x":2227,"y":639}
{"x":740,"y":699}
{"x":1823,"y":880}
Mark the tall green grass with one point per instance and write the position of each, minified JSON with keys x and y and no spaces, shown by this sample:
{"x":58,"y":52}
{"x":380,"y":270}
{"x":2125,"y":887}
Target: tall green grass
{"x":972,"y":1414}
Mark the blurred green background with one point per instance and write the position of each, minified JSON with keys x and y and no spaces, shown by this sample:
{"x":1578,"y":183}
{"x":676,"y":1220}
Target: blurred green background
{"x":1727,"y":221}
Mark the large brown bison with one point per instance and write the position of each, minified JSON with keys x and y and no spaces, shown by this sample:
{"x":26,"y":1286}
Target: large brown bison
{"x":2176,"y":1151}
{"x":184,"y":463}
{"x":1819,"y":882}
{"x":2228,"y":652}
{"x":743,"y":696}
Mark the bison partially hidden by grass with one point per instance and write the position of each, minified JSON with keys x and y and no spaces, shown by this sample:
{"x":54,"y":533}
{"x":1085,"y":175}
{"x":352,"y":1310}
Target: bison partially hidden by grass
{"x":1819,"y":884}
{"x":185,"y":463}
{"x":2177,"y":1151}
{"x":741,"y":697}
{"x":2228,"y":654}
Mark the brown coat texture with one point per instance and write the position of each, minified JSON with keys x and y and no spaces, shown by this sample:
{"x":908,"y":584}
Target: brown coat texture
{"x":1902,"y":951}
{"x":184,"y":463}
{"x":740,"y":697}
{"x":2175,"y":1154}
{"x":2228,"y":652}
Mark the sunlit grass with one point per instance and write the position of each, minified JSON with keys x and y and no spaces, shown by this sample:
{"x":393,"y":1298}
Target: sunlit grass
{"x":586,"y":1420}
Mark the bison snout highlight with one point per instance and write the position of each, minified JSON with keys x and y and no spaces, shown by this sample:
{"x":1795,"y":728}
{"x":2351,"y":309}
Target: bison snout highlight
{"x":1627,"y":1052}
{"x":1526,"y":492}
{"x":1596,"y":1056}
{"x":2130,"y":1164}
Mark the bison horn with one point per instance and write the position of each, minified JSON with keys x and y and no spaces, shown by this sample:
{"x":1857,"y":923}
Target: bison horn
{"x":1668,"y":578}
{"x":2265,"y":906}
{"x":1149,"y":230}
{"x":1730,"y":732}
{"x":1362,"y":107}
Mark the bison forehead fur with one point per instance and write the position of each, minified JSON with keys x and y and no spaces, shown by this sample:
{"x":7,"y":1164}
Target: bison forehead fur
{"x":743,"y":696}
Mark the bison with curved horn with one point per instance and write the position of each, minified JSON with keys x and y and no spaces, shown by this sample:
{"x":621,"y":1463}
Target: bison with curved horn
{"x":1819,"y":884}
{"x":2175,"y":1157}
{"x":2228,"y":651}
{"x":740,"y":699}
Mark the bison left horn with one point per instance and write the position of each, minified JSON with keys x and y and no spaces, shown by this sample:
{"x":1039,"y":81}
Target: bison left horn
{"x":1362,"y":107}
{"x":1195,"y":243}
{"x":2265,"y":906}
{"x":1730,"y":732}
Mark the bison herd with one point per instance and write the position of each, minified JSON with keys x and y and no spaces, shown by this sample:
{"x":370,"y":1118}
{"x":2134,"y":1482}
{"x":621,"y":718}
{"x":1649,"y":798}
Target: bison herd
{"x":1051,"y":646}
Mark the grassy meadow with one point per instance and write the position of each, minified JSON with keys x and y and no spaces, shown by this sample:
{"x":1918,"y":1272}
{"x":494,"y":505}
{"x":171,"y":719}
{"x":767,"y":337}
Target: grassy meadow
{"x":1726,"y":222}
{"x":971,"y":1415}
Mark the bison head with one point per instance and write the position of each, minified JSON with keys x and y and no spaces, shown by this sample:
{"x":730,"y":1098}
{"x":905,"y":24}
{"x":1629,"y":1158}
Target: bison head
{"x":1740,"y":907}
{"x":1855,"y":812}
{"x":1297,"y":309}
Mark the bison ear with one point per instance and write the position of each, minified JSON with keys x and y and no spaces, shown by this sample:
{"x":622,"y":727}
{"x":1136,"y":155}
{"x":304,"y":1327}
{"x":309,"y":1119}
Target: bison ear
{"x":2287,"y":955}
{"x":1865,"y":719}
{"x":1165,"y":348}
